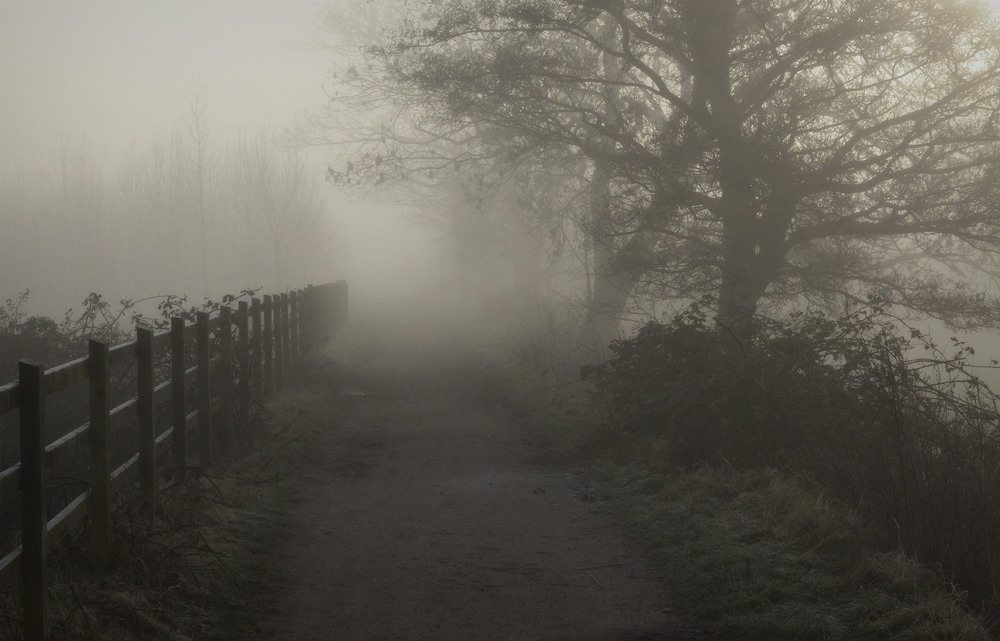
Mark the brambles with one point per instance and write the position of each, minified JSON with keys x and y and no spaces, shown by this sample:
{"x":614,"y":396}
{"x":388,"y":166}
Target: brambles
{"x":884,"y":421}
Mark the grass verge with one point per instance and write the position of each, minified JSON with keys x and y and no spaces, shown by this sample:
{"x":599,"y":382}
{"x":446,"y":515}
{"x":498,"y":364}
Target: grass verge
{"x":760,"y":555}
{"x":188,"y":571}
{"x":748,"y":555}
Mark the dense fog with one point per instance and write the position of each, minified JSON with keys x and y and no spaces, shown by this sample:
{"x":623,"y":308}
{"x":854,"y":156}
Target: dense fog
{"x":719,"y":279}
{"x":199,"y":149}
{"x":144,"y":152}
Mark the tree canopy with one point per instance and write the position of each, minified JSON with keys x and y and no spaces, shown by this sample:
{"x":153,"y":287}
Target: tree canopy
{"x":757,"y":150}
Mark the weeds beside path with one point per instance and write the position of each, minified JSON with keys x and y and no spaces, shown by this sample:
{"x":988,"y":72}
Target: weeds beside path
{"x":400,"y":497}
{"x":422,"y":513}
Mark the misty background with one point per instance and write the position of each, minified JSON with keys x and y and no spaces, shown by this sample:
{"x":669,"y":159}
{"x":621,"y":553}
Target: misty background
{"x":143,"y":152}
{"x":773,"y":201}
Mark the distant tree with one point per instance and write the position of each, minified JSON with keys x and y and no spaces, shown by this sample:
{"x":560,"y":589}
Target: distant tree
{"x":22,"y":217}
{"x":202,"y":163}
{"x":512,"y":216}
{"x":276,"y":197}
{"x":77,"y":213}
{"x":758,"y":150}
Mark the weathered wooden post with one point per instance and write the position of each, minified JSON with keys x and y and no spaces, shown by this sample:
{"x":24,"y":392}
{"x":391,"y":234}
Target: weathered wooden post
{"x":257,"y":347}
{"x":305,"y":319}
{"x":243,"y":360}
{"x":99,"y":502}
{"x":226,"y":372}
{"x":147,"y":417}
{"x":177,"y":388}
{"x":204,"y":390}
{"x":34,"y":566}
{"x":268,"y":347}
{"x":279,"y":347}
{"x":286,"y":333}
{"x":293,"y":325}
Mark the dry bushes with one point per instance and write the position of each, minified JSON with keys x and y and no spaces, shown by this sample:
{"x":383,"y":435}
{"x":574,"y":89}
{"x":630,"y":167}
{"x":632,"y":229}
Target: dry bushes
{"x":885,"y":422}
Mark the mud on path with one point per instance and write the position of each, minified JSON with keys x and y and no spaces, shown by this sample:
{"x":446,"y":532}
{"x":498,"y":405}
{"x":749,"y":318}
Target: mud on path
{"x":425,"y":513}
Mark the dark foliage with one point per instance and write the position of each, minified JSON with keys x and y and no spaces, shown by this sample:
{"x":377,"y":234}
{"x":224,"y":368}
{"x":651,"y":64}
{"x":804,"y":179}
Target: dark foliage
{"x":886,"y":422}
{"x":35,"y":338}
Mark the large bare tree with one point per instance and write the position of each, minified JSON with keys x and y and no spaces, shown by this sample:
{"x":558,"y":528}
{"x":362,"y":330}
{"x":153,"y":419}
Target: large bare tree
{"x":757,"y":150}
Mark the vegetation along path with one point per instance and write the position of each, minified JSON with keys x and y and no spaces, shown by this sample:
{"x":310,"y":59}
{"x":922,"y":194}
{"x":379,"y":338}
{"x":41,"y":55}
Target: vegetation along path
{"x":426,"y":513}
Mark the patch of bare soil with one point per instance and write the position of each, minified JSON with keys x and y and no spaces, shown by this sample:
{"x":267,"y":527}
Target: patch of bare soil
{"x":423,"y":513}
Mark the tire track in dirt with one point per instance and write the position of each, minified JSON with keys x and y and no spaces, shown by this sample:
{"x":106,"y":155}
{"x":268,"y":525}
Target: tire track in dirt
{"x":423,"y":517}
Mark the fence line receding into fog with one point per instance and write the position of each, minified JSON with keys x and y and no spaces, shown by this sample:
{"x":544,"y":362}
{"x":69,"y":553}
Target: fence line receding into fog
{"x":214,"y":368}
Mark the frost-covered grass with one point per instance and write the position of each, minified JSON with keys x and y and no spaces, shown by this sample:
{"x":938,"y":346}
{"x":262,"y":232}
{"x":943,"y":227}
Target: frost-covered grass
{"x":762,"y":550}
{"x":761,"y":555}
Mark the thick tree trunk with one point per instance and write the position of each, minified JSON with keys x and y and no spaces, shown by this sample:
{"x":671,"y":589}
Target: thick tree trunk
{"x":742,"y":281}
{"x":614,"y":269}
{"x":613,"y":280}
{"x":745,"y":269}
{"x":610,"y":296}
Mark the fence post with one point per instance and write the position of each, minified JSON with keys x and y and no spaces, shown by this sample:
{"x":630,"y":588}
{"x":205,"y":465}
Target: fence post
{"x":279,"y":346}
{"x":306,"y":342}
{"x":204,"y":391}
{"x":268,"y":347}
{"x":293,"y":325}
{"x":243,"y":359}
{"x":257,"y":348}
{"x":34,"y":566}
{"x":286,"y":333}
{"x":226,"y":369}
{"x":147,"y":417}
{"x":177,"y":388}
{"x":99,"y":503}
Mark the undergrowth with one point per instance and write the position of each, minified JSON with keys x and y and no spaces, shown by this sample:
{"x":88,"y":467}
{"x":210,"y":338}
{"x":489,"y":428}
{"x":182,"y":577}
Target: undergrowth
{"x":884,"y":421}
{"x":832,"y":479}
{"x":761,"y":555}
{"x":179,"y":573}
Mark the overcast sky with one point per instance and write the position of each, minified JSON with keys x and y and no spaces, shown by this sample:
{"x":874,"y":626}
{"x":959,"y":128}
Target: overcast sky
{"x":118,"y":71}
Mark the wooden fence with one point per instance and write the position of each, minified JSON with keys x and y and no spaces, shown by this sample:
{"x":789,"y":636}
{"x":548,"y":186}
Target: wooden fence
{"x":238,"y":356}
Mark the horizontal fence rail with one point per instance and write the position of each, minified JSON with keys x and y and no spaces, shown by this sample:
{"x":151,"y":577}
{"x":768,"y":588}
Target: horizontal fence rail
{"x":228,"y":359}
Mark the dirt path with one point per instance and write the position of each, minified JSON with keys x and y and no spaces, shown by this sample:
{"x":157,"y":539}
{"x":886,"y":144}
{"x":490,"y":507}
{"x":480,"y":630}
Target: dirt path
{"x":424,"y":517}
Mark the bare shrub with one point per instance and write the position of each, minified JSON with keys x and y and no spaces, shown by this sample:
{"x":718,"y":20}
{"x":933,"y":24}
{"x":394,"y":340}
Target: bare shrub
{"x":887,"y":422}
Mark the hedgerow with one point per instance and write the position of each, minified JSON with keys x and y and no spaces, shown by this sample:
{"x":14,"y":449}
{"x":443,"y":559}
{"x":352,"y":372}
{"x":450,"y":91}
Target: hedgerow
{"x":869,"y":407}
